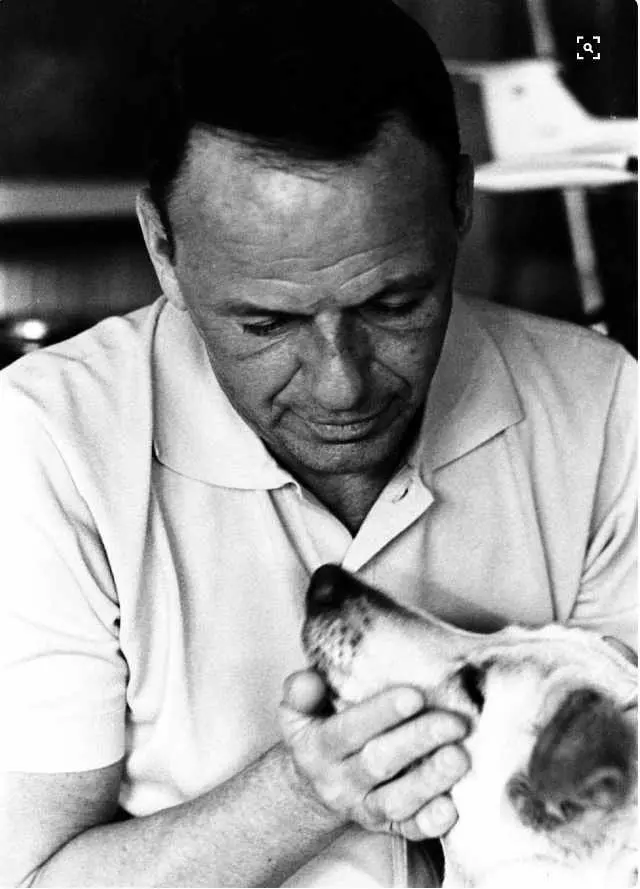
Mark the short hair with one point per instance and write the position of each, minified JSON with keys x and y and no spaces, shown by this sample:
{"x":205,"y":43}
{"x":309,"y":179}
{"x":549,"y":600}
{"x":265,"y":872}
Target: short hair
{"x":308,"y":81}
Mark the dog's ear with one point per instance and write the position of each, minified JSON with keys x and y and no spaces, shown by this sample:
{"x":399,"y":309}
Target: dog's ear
{"x":583,"y":759}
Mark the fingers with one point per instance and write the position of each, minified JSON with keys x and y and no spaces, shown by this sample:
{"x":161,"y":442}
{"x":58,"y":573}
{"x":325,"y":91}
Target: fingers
{"x":432,"y":821}
{"x":405,"y":797}
{"x":305,"y":692}
{"x":384,"y":756}
{"x":415,"y":801}
{"x":373,"y":763}
{"x":354,"y":727}
{"x":346,"y":732}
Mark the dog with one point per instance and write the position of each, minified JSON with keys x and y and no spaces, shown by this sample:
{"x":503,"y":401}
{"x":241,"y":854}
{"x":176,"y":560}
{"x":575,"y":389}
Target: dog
{"x":551,"y":796}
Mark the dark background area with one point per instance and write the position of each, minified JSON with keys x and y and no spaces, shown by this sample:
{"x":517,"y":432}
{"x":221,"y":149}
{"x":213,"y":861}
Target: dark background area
{"x":75,"y":86}
{"x":518,"y":251}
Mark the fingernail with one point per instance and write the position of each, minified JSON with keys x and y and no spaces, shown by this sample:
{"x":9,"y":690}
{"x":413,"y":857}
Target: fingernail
{"x":440,"y":814}
{"x":444,"y":811}
{"x":459,"y":727}
{"x":452,"y":758}
{"x":409,"y":702}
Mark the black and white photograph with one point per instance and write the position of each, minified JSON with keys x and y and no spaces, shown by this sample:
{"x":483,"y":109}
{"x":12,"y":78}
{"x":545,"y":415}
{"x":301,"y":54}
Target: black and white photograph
{"x":318,"y":443}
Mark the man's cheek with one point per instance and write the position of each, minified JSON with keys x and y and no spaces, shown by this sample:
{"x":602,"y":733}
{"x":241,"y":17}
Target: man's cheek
{"x":412,"y":359}
{"x":257,"y":388}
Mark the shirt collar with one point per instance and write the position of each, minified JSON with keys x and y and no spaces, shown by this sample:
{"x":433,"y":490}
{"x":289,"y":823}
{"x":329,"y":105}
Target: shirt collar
{"x":472,"y":396}
{"x":199,"y":434}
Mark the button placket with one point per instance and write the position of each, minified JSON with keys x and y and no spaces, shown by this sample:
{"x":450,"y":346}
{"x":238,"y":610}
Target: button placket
{"x":390,"y":515}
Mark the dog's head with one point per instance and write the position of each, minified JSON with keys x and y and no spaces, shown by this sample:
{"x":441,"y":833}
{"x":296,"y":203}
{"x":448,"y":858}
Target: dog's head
{"x":553,"y":749}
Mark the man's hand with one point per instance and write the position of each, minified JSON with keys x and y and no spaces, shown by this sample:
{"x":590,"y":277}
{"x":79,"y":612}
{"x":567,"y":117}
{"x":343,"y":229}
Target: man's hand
{"x":372,"y":763}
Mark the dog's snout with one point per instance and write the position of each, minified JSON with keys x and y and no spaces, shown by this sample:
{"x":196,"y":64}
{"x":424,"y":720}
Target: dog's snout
{"x":329,"y":588}
{"x":583,"y":760}
{"x":338,"y":618}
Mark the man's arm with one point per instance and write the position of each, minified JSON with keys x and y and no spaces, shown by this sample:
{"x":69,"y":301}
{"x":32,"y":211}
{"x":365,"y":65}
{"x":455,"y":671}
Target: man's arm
{"x":257,"y":828}
{"x":254,"y":830}
{"x":607,"y":601}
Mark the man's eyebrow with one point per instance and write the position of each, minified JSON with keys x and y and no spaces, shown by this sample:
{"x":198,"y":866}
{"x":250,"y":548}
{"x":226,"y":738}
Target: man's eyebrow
{"x":245,"y":310}
{"x":412,"y":281}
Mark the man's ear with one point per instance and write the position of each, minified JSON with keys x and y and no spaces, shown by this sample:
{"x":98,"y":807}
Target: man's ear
{"x":464,"y":195}
{"x":159,"y":247}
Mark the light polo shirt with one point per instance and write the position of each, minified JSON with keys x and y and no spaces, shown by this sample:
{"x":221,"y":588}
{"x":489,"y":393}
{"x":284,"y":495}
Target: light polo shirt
{"x":155,"y":556}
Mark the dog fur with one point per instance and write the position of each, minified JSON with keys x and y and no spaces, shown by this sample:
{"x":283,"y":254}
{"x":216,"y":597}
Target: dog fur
{"x":551,"y":796}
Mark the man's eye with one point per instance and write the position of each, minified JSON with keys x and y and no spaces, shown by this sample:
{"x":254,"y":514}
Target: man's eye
{"x":399,"y":305}
{"x":264,"y":328}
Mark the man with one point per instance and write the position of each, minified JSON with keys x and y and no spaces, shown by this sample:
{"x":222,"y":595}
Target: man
{"x":303,"y":392}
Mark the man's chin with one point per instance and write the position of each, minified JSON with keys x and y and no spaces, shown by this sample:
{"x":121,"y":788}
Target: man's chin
{"x":373,"y":446}
{"x":358,"y":456}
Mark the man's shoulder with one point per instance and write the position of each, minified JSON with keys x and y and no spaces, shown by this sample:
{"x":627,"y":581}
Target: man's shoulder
{"x":88,"y":392}
{"x":514,"y":329}
{"x":111,"y":356}
{"x":544,"y":353}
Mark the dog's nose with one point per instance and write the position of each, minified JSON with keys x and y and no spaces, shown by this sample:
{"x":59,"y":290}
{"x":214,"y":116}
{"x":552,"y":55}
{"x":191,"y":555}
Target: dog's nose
{"x":329,"y":588}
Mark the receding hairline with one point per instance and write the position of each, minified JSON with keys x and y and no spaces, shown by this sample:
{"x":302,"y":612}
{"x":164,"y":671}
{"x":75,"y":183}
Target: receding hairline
{"x":244,"y":150}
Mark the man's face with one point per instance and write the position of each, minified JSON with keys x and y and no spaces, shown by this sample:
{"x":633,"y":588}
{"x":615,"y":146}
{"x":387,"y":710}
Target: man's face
{"x":322,"y":295}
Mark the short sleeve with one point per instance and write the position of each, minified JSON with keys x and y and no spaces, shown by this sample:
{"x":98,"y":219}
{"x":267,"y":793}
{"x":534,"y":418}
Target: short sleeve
{"x":607,"y":600}
{"x":62,"y":675}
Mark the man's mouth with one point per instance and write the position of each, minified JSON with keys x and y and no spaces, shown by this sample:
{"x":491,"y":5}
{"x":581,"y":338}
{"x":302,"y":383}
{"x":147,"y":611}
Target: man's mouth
{"x":343,"y":430}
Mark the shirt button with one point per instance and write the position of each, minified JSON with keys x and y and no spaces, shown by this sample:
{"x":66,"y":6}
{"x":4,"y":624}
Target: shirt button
{"x":400,"y":494}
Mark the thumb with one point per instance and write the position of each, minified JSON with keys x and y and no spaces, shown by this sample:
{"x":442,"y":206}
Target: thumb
{"x":305,"y":692}
{"x":304,"y":700}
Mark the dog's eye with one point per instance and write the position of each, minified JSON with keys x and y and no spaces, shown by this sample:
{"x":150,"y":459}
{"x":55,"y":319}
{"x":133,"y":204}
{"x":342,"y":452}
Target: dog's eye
{"x":472,"y":681}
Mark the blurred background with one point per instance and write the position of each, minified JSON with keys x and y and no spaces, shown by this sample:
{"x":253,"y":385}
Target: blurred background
{"x":75,"y":82}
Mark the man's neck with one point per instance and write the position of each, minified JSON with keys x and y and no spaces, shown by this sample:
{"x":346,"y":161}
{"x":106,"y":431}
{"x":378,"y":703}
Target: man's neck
{"x":348,"y":497}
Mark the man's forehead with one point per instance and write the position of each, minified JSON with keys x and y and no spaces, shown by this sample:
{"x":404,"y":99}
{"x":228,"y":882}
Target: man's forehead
{"x":218,"y":163}
{"x":224,"y":176}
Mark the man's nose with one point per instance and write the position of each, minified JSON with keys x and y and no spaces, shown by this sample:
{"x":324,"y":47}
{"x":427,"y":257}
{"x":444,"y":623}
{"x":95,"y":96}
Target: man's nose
{"x":337,"y":364}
